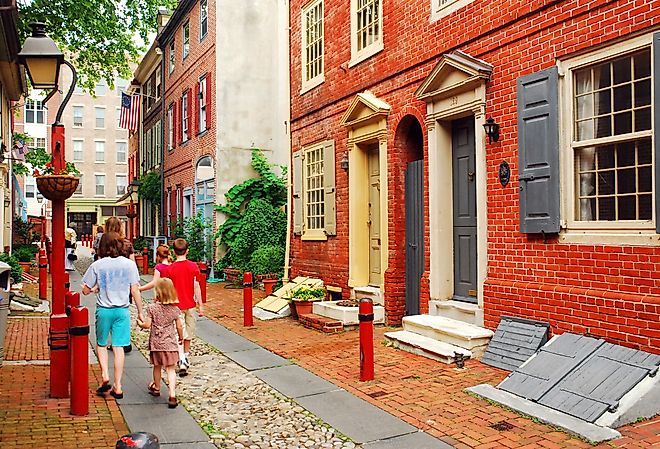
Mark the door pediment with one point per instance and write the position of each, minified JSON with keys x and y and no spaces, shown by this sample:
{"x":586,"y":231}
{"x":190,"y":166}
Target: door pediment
{"x":456,"y":72}
{"x":365,"y":108}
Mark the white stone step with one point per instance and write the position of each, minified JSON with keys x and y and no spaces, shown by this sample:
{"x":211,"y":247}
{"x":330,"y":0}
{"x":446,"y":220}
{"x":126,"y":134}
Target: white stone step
{"x":347,"y":315}
{"x":369,"y":292}
{"x":457,"y":310}
{"x":450,"y":331}
{"x":425,"y":346}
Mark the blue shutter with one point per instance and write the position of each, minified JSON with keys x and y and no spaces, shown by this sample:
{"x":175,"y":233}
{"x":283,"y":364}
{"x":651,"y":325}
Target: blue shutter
{"x":538,"y":151}
{"x":656,"y":125}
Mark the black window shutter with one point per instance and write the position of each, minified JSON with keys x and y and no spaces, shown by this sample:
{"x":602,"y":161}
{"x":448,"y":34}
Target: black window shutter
{"x":538,"y":151}
{"x":656,"y":126}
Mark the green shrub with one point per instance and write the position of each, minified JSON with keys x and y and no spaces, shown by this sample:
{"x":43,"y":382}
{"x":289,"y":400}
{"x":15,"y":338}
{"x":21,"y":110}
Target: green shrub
{"x":16,"y":270}
{"x":198,"y":232}
{"x":307,"y":293}
{"x":139,"y":244}
{"x":25,"y":253}
{"x":267,"y":259}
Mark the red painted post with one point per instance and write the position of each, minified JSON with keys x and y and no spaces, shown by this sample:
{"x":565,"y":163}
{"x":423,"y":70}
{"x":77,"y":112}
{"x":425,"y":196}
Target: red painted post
{"x":247,"y":299}
{"x":71,"y":300}
{"x":79,"y":331}
{"x":366,"y":319}
{"x":145,"y":261}
{"x":59,"y":322}
{"x":67,"y":285}
{"x":201,"y":279}
{"x":43,"y":275}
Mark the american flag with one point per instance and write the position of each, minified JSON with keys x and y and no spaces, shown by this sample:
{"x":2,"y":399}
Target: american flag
{"x":130,"y":111}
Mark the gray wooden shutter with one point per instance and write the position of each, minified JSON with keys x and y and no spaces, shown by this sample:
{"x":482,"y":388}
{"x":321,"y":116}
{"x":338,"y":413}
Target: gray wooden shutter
{"x":297,"y":193}
{"x":330,"y":212}
{"x":538,"y":151}
{"x":656,"y":125}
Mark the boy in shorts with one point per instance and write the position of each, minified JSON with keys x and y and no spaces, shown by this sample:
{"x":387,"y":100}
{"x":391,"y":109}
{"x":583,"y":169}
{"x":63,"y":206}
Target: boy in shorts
{"x":183,"y":274}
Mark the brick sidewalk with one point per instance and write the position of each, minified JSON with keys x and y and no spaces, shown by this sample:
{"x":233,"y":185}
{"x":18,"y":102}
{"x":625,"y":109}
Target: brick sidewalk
{"x":28,"y":417}
{"x":425,"y":393}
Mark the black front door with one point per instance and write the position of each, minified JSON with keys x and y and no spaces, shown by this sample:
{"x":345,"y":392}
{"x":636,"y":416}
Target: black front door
{"x":465,"y":210}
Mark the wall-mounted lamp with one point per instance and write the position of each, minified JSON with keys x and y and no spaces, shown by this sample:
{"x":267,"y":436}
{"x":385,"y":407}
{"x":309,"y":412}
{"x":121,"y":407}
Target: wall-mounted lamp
{"x":492,"y":130}
{"x":344,"y":162}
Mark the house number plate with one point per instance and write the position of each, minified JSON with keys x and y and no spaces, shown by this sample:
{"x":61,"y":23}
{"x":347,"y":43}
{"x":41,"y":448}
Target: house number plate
{"x":504,"y":173}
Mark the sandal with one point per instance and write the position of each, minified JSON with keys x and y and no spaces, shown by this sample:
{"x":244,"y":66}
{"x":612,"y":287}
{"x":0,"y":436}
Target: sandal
{"x":105,"y":386}
{"x":153,"y":390}
{"x":172,"y":402}
{"x":116,"y":395}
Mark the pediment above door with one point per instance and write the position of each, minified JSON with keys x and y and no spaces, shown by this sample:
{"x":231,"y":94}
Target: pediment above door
{"x":455,"y":73}
{"x":364,"y":109}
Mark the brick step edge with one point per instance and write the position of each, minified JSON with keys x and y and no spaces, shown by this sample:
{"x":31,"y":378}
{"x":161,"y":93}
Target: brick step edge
{"x":321,"y":323}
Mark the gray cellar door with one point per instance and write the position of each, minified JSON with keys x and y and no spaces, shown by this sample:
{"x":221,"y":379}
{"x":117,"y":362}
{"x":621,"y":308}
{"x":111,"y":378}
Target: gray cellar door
{"x":414,"y":234}
{"x":464,"y":210}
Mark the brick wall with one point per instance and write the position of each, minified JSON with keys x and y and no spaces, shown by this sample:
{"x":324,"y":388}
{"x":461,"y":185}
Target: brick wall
{"x":609,"y":291}
{"x":179,"y":164}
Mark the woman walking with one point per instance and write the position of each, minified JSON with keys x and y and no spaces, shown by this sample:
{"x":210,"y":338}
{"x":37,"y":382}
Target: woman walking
{"x":113,"y":278}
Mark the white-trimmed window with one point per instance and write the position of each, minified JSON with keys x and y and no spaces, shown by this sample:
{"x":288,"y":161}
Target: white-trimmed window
{"x":101,"y":88}
{"x":186,"y":40}
{"x":121,"y":183}
{"x":201,"y":113}
{"x":99,"y":116}
{"x":442,"y":8}
{"x":30,"y":187}
{"x":121,"y":86}
{"x":203,"y":19}
{"x":34,"y":111}
{"x":118,"y":117}
{"x":172,"y":57}
{"x":121,"y":152}
{"x":184,"y":117}
{"x":78,"y":115}
{"x":40,"y":142}
{"x":79,"y":189}
{"x":78,"y":146}
{"x":170,"y":127}
{"x":366,"y":29}
{"x":99,"y":151}
{"x":314,"y":191}
{"x":609,"y":175}
{"x":312,"y":45}
{"x":100,"y":185}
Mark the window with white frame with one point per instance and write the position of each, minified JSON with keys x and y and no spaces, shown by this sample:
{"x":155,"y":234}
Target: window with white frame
{"x":170,"y":127}
{"x":441,"y":8}
{"x":184,"y":117}
{"x":186,"y":40}
{"x":40,"y":142}
{"x":34,"y":111}
{"x":78,"y":150}
{"x":79,"y":189}
{"x":100,"y":185}
{"x":121,"y":86}
{"x":101,"y":88}
{"x":312,"y":44}
{"x":366,"y":29}
{"x":99,"y":115}
{"x":313,"y":189}
{"x":202,"y":104}
{"x":121,"y":152}
{"x":118,"y":118}
{"x":158,"y":85}
{"x":171,"y":55}
{"x":121,"y":184}
{"x":612,"y":163}
{"x":30,"y":187}
{"x":78,"y":115}
{"x":99,"y":152}
{"x":203,"y":18}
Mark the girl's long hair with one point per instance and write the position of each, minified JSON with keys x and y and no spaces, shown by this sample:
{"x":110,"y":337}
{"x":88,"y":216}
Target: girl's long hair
{"x":163,"y":253}
{"x":165,"y":292}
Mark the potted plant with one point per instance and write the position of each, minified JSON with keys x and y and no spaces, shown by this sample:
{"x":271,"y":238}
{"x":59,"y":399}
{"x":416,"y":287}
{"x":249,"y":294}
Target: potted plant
{"x":304,"y":296}
{"x":51,"y":183}
{"x":139,"y":244}
{"x":25,"y":256}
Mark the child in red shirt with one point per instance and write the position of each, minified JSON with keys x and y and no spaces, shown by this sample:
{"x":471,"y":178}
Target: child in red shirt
{"x":183,"y":274}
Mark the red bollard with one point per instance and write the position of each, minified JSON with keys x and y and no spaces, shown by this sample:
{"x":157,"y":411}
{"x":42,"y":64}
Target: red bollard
{"x":43,"y":275}
{"x":201,"y":279}
{"x":366,"y":319}
{"x":58,"y":341}
{"x":67,"y":282}
{"x":71,"y":300}
{"x":145,"y":261}
{"x":79,"y":332}
{"x":247,"y":299}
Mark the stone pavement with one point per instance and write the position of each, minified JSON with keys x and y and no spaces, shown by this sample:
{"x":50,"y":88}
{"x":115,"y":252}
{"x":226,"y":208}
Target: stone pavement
{"x":424,"y":393}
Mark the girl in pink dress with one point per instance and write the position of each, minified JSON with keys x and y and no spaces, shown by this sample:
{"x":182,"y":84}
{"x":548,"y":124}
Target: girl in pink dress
{"x":162,"y":318}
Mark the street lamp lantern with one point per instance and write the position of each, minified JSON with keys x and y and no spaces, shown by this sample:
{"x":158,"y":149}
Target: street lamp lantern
{"x":133,"y":187}
{"x":41,"y":58}
{"x":40,"y":198}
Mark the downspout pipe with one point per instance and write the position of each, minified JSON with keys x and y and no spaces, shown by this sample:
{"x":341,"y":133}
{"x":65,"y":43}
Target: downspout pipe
{"x":163,"y":230}
{"x":289,"y":176}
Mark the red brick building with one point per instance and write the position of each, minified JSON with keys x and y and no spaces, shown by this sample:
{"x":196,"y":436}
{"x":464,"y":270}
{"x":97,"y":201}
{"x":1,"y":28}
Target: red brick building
{"x":398,"y":188}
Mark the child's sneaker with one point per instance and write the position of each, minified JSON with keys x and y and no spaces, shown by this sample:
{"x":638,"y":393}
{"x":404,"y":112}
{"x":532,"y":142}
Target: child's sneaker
{"x":183,"y":368}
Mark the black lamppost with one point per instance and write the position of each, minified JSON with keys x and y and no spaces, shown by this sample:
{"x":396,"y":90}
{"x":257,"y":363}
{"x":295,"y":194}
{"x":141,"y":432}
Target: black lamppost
{"x":131,"y":213}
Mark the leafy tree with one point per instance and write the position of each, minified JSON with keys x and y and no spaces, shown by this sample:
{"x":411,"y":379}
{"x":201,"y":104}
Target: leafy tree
{"x":97,"y":35}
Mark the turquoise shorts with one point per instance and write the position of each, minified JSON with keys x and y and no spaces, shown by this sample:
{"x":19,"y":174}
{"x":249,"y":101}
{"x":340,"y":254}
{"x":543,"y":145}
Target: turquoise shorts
{"x":115,"y":321}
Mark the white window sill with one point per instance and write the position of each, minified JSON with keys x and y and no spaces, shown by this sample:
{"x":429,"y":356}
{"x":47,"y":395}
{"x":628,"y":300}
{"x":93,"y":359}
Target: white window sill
{"x":438,"y":14}
{"x":311,"y":84}
{"x":316,"y":236}
{"x":366,"y":53}
{"x":611,"y":237}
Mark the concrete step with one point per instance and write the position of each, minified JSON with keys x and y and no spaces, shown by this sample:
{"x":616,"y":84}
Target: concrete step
{"x":369,"y":292}
{"x":425,"y":346}
{"x":447,"y":330}
{"x":457,"y":310}
{"x":347,"y":315}
{"x":320,"y":323}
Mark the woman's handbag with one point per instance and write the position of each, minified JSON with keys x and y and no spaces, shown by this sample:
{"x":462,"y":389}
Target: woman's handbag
{"x":72,"y":256}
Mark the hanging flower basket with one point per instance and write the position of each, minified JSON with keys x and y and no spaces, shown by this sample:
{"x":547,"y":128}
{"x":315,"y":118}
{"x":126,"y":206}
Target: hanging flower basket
{"x":57,"y":187}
